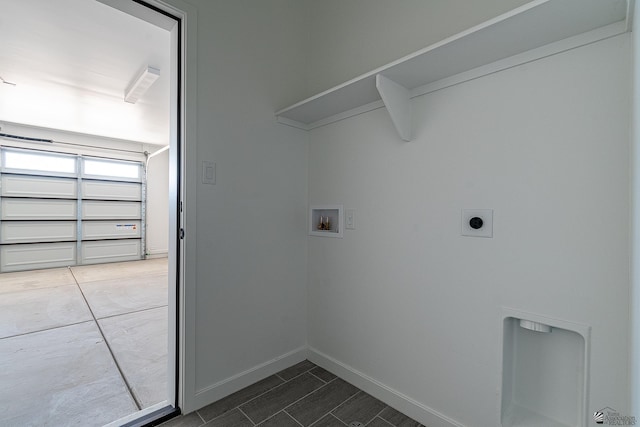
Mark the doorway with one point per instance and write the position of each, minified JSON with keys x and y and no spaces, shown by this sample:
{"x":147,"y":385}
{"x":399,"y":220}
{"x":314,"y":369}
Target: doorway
{"x":84,"y":275}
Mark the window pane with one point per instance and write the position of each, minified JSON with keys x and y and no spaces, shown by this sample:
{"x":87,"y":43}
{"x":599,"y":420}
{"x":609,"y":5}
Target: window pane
{"x":114,"y":169}
{"x":39,"y":162}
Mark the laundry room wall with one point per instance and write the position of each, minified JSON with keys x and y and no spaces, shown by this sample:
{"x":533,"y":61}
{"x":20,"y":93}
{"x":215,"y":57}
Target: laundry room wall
{"x":248,"y":250}
{"x":414,"y":309}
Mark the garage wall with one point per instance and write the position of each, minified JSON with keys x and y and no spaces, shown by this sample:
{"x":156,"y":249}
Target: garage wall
{"x":87,"y":142}
{"x":157,"y":202}
{"x":408,"y":302}
{"x":157,"y":195}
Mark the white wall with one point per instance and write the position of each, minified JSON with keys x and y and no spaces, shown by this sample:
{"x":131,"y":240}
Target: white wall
{"x":350,"y":37}
{"x":635,"y":221}
{"x":545,"y":142}
{"x":158,"y":204}
{"x":250,"y":244}
{"x":86,"y":144}
{"x":407,"y":301}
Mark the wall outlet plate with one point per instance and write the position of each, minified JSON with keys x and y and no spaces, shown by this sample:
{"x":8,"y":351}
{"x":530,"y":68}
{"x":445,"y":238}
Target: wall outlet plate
{"x":486,"y":217}
{"x":208,"y":172}
{"x":350,"y":219}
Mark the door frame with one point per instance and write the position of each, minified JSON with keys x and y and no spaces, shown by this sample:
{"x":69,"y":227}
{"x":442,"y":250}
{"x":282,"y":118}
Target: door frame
{"x":182,"y":187}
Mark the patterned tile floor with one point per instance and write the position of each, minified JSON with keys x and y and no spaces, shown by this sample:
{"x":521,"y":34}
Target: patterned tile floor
{"x":302,"y":395}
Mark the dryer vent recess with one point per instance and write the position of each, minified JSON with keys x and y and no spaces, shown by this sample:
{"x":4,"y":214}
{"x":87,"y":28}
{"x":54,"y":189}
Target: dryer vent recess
{"x":534,"y":326}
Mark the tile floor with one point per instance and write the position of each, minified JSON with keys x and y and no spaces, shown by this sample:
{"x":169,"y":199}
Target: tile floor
{"x":84,"y":345}
{"x":87,"y":346}
{"x":302,"y":395}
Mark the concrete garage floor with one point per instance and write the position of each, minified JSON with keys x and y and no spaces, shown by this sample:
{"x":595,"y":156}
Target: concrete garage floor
{"x":83,"y":345}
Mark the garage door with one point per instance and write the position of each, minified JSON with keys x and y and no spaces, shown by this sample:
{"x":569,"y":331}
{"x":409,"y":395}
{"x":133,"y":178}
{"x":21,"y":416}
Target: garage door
{"x":59,"y":210}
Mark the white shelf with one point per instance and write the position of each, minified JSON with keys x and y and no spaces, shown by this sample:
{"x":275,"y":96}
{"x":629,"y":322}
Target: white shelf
{"x":534,"y":26}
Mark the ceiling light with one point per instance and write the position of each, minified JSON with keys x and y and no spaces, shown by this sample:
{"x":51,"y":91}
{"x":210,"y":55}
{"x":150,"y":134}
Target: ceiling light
{"x":141,"y":84}
{"x":6,"y":82}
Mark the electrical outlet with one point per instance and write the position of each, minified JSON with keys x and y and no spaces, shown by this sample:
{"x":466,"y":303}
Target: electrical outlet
{"x":477,"y":222}
{"x":350,"y":219}
{"x":208,"y":172}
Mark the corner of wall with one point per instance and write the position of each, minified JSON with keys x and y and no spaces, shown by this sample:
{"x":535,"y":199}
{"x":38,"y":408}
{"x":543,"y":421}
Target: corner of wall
{"x":243,"y":379}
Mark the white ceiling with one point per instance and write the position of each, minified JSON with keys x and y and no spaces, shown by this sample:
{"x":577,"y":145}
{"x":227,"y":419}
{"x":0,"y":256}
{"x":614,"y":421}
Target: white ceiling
{"x":72,"y":60}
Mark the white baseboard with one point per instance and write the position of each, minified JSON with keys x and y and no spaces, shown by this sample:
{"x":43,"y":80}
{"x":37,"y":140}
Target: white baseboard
{"x":391,"y":397}
{"x":223,"y":388}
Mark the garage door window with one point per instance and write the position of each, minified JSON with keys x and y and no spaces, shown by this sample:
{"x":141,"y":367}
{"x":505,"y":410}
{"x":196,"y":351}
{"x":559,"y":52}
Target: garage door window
{"x":31,"y":161}
{"x":112,"y":169}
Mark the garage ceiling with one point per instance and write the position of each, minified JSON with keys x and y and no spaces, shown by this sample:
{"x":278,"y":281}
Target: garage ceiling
{"x":71,"y":61}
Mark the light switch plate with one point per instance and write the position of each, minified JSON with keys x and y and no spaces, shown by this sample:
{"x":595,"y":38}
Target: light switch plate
{"x":350,"y":219}
{"x":208,"y":172}
{"x":486,"y":215}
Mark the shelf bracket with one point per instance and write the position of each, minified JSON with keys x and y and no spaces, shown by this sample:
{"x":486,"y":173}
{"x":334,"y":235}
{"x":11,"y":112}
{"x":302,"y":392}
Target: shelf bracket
{"x":398,"y":102}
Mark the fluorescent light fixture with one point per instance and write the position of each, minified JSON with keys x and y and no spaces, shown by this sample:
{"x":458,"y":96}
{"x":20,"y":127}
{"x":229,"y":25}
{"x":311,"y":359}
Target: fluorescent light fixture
{"x":141,"y":84}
